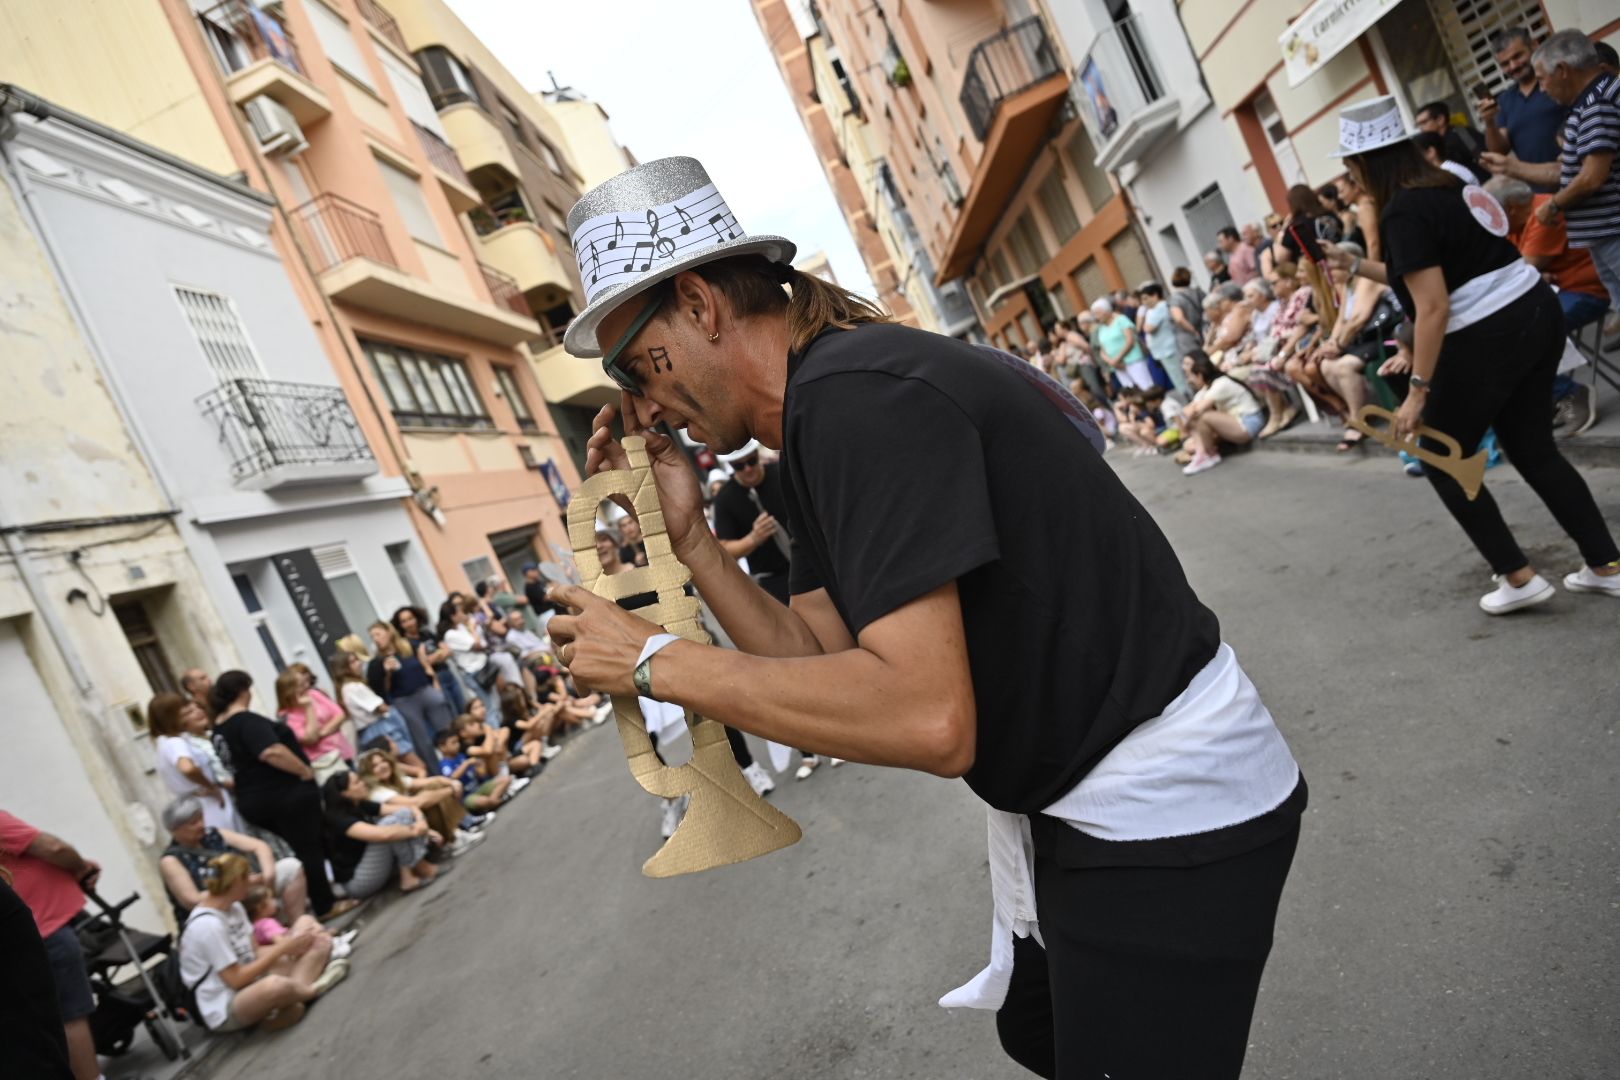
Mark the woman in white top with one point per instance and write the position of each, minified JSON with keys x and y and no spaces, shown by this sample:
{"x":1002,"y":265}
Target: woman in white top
{"x":237,"y":985}
{"x":1223,"y":409}
{"x":373,"y":717}
{"x":179,"y":729}
{"x":470,"y":655}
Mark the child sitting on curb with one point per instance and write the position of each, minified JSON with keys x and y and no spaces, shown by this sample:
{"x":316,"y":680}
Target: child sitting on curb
{"x":483,"y":795}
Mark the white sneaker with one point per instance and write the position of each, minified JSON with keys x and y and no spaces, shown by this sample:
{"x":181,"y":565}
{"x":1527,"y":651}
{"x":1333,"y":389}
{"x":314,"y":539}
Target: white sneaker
{"x":346,"y":938}
{"x":1200,"y":463}
{"x":1506,"y":598}
{"x":807,"y":766}
{"x":603,"y":711}
{"x":1586,"y":580}
{"x":464,"y":841}
{"x":759,"y":780}
{"x":549,"y":751}
{"x":835,"y":761}
{"x":518,"y":785}
{"x":341,"y":950}
{"x":674,"y":811}
{"x":336,"y":971}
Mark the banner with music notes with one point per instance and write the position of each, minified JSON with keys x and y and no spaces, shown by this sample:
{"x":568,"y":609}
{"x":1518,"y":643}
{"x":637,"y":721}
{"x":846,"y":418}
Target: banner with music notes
{"x":614,"y":249}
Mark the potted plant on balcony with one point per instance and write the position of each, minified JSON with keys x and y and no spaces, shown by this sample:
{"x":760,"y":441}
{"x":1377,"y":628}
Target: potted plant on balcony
{"x":894,"y":66}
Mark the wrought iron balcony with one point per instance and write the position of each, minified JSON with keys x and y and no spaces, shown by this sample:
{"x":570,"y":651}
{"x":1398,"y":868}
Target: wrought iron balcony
{"x":282,"y":433}
{"x":504,"y":289}
{"x":1001,"y":66}
{"x":440,"y":154}
{"x":378,"y":16}
{"x":335,"y":230}
{"x":259,"y":56}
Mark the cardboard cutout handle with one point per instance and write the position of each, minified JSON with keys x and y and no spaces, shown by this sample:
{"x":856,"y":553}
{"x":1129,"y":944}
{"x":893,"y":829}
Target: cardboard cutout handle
{"x":1469,"y":472}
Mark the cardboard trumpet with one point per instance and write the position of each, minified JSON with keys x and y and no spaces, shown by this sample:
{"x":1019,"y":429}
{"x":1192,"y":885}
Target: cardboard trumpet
{"x":725,"y":821}
{"x":1467,"y":471}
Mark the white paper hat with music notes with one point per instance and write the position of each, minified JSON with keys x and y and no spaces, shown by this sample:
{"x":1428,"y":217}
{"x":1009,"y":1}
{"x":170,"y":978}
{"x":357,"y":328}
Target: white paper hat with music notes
{"x":1370,"y":125}
{"x":644,"y":226}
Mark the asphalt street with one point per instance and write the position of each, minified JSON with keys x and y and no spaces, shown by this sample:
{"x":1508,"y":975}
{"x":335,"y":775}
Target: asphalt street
{"x":1454,"y":910}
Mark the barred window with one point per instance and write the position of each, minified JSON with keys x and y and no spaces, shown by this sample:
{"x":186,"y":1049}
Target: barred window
{"x":220,"y":333}
{"x":426,"y":389}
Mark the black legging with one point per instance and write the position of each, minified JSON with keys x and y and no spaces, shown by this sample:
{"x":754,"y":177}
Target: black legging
{"x":1148,"y":971}
{"x":1499,"y":373}
{"x":294,"y":814}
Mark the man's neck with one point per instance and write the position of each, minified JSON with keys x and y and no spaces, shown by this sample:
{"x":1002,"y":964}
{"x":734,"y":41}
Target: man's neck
{"x":1529,"y":85}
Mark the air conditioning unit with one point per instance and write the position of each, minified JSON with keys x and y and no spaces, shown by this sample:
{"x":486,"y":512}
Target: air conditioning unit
{"x":275,"y":128}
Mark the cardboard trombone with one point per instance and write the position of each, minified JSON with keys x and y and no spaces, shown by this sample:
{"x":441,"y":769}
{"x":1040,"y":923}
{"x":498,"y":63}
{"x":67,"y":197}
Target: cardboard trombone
{"x":725,"y":822}
{"x":1467,"y":471}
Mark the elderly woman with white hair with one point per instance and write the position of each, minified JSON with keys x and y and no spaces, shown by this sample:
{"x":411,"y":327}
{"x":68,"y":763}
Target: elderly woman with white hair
{"x":1119,"y":348}
{"x":194,"y":842}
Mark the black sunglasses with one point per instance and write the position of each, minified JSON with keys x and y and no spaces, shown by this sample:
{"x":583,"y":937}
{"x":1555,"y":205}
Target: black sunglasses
{"x":746,"y":463}
{"x":610,"y":362}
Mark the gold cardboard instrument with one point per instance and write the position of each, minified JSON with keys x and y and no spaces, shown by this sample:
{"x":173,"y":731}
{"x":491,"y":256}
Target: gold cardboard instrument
{"x":1469,"y":471}
{"x":725,"y":822}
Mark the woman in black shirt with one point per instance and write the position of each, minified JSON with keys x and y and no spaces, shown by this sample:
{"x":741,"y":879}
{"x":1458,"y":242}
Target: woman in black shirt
{"x":1488,"y":338}
{"x":275,"y":787}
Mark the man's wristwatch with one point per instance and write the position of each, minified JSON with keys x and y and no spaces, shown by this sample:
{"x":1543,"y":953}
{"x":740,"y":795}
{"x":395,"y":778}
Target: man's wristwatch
{"x":1418,"y":382}
{"x":643,"y":678}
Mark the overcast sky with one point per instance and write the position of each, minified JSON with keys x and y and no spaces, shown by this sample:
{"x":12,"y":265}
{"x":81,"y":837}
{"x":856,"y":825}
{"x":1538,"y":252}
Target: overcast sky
{"x":693,"y":78}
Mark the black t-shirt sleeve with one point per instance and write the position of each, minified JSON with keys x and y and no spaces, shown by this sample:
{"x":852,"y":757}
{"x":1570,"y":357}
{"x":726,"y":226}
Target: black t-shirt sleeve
{"x":894,"y":472}
{"x":1409,"y":243}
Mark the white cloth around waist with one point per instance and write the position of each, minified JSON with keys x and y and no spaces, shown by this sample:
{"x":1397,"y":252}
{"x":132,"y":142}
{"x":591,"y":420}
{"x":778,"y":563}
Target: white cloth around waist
{"x":1214,"y":758}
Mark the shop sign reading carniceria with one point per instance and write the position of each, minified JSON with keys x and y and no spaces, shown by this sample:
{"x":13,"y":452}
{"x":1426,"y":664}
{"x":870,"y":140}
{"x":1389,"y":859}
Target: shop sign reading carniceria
{"x":1325,"y":29}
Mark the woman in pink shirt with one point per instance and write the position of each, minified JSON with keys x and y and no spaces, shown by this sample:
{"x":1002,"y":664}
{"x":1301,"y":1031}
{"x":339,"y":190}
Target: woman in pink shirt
{"x":315,"y":718}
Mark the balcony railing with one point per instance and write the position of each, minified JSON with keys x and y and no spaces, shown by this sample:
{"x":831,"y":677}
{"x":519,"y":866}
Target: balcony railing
{"x":1118,"y":78}
{"x":334,"y":230}
{"x":440,"y":154}
{"x":269,"y":427}
{"x":241,"y":33}
{"x":377,"y":15}
{"x":1000,"y":66}
{"x":504,"y":288}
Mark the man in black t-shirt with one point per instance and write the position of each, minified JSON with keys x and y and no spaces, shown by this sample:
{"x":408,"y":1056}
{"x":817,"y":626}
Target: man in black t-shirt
{"x":975,"y":594}
{"x":749,"y":518}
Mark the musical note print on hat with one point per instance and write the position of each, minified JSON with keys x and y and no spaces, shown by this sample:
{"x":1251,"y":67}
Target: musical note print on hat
{"x":616,"y":251}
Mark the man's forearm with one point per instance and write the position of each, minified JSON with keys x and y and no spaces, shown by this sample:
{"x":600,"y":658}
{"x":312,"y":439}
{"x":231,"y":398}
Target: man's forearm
{"x":58,"y":852}
{"x":822,"y":704}
{"x":1496,"y":140}
{"x":753,"y":618}
{"x":1545,"y":173}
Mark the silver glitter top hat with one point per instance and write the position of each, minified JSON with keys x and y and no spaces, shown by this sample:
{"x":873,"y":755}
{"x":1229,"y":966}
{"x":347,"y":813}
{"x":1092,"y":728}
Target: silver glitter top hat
{"x":646,"y":225}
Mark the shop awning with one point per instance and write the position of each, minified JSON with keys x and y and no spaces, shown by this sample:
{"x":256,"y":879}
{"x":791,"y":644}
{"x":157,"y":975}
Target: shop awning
{"x":1326,"y":29}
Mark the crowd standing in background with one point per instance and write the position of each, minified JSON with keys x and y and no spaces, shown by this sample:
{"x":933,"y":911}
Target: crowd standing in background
{"x":1304,"y":315}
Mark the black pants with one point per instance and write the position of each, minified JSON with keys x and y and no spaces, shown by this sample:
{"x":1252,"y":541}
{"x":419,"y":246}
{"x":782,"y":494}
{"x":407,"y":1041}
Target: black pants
{"x":1499,"y":373}
{"x":294,"y":814}
{"x":1149,"y":973}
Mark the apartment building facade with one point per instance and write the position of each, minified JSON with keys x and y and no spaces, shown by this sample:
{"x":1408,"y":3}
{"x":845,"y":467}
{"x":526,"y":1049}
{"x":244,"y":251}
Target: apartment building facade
{"x":321,"y":105}
{"x":517,"y":157}
{"x":979,"y":143}
{"x":1281,"y":111}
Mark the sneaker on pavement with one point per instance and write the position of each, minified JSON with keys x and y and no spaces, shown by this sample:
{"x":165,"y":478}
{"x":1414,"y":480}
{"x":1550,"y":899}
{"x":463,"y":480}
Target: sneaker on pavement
{"x":464,"y":842}
{"x":807,"y":766}
{"x":1563,"y":413}
{"x":518,"y":785}
{"x":835,"y":761}
{"x":340,"y":951}
{"x":1588,"y":580}
{"x":346,"y":938}
{"x":603,"y":711}
{"x":1506,"y":598}
{"x":549,"y":751}
{"x":1201,"y":463}
{"x":759,"y":779}
{"x":1582,"y":409}
{"x":335,"y":972}
{"x":674,"y":811}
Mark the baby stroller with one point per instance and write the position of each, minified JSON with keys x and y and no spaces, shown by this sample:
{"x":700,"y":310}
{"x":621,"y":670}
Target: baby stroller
{"x":109,"y":945}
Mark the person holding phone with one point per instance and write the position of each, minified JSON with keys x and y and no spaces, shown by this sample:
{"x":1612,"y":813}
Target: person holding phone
{"x":1521,"y":119}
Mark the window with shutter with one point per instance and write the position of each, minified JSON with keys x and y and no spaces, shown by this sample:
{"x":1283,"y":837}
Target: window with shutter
{"x":411,"y":93}
{"x":412,"y":206}
{"x":338,"y":42}
{"x":1466,"y":27}
{"x":220,"y":334}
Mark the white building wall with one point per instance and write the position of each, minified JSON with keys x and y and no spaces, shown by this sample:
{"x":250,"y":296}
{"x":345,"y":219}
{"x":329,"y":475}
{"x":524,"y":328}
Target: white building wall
{"x":173,"y":228}
{"x":1185,"y":161}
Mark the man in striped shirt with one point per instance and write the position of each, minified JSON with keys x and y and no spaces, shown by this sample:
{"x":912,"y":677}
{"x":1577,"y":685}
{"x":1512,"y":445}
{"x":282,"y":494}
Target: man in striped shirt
{"x":1588,"y":195}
